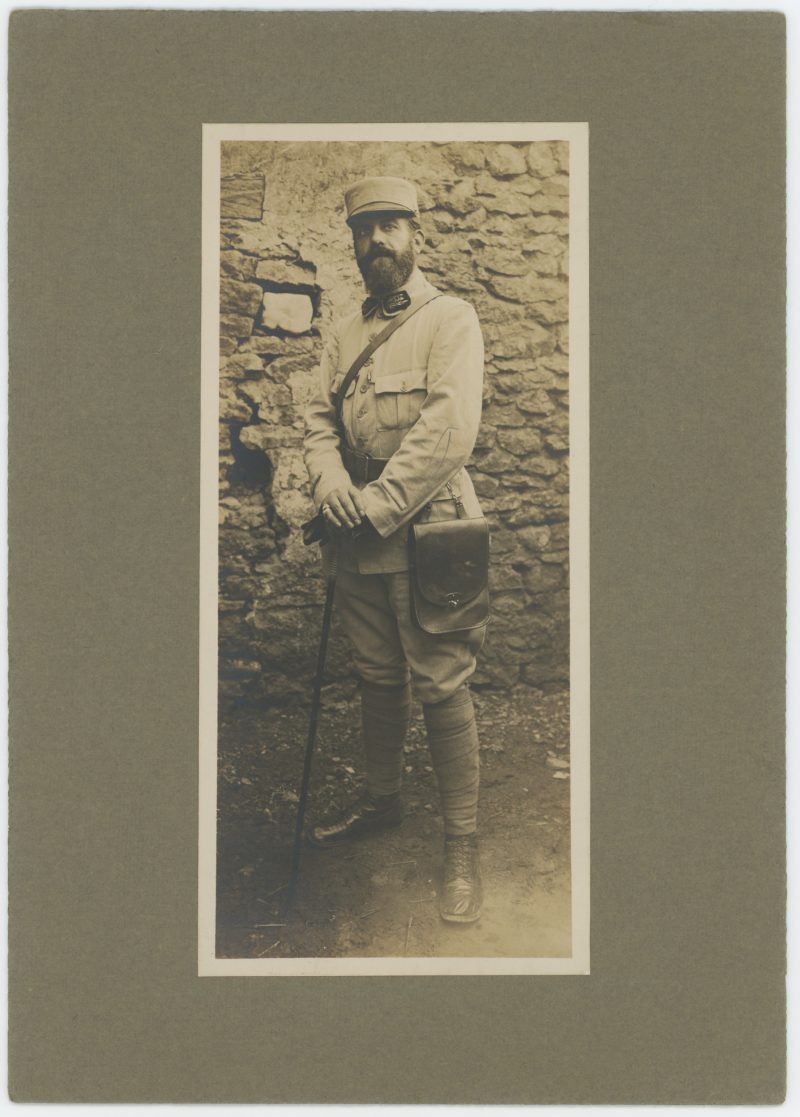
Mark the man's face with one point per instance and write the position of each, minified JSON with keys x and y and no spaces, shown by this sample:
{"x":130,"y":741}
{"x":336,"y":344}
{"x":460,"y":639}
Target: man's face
{"x":386,"y":250}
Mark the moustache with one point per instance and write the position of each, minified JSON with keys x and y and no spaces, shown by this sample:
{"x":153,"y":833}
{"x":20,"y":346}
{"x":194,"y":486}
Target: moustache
{"x":379,"y":254}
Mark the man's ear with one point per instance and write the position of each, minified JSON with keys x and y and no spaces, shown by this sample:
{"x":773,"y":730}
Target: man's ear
{"x":419,"y":240}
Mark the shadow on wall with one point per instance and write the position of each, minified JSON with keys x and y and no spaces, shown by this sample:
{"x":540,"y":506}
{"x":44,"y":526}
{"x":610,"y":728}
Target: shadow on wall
{"x":496,"y":222}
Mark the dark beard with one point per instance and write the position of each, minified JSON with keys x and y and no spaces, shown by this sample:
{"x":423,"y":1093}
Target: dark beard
{"x":385,"y":273}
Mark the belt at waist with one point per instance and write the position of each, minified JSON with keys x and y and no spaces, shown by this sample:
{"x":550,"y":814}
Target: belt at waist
{"x":362,"y":467}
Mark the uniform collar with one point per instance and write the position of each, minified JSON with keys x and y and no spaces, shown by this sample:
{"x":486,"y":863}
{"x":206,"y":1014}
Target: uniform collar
{"x":394,"y":303}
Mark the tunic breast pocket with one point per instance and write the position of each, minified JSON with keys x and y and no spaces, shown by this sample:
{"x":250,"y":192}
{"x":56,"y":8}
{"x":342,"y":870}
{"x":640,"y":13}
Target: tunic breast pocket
{"x":399,"y":397}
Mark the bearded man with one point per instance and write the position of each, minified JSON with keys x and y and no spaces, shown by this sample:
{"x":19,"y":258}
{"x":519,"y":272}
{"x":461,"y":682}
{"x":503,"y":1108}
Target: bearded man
{"x":390,"y":451}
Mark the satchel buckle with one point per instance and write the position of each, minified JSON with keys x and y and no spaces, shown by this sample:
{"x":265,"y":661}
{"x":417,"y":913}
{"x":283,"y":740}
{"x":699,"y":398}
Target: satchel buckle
{"x":452,"y":600}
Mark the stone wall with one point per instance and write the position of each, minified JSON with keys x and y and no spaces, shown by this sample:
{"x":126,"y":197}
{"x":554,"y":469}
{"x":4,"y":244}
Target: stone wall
{"x":495,"y":219}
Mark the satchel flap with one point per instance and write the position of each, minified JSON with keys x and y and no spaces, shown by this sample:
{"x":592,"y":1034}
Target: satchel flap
{"x":451,"y":560}
{"x":408,"y":381}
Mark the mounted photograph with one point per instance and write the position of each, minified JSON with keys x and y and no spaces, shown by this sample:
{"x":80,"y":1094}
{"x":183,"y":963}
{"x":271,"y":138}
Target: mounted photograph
{"x":394,"y":614}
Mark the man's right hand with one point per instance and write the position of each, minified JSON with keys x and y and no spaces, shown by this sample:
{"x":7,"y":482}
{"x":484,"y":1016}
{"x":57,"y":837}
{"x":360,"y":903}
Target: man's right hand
{"x":343,"y":508}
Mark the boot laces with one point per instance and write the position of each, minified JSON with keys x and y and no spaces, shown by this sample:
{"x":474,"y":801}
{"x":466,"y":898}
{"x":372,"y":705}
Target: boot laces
{"x":460,"y":858}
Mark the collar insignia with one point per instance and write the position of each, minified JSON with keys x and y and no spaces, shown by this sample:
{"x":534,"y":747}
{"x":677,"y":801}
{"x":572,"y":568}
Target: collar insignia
{"x":395,"y":303}
{"x":390,"y":305}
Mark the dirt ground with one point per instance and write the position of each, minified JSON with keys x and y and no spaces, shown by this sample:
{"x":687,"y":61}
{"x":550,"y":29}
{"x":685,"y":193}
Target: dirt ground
{"x":377,"y":896}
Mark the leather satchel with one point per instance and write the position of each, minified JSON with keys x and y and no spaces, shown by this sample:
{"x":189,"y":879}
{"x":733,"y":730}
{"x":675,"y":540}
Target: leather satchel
{"x":449,"y":574}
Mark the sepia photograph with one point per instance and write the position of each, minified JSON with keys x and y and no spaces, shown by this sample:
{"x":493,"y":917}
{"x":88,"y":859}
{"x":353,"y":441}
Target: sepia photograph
{"x":397,"y":557}
{"x":394,"y":567}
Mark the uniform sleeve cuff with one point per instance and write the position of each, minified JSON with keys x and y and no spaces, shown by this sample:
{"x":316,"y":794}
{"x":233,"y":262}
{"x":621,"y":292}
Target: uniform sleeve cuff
{"x":384,"y":521}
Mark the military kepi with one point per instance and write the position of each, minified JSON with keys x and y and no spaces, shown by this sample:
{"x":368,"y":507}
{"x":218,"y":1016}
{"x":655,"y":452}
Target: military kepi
{"x":380,"y":195}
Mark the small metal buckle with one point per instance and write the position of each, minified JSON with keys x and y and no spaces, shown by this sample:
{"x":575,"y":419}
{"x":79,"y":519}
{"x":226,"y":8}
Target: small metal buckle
{"x":452,"y":600}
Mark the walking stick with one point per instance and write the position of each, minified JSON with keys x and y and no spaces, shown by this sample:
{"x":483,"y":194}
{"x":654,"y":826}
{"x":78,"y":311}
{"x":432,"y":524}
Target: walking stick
{"x":327,"y":616}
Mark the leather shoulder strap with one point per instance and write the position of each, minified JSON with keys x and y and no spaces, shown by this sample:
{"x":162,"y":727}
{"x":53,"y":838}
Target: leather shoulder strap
{"x":378,"y":340}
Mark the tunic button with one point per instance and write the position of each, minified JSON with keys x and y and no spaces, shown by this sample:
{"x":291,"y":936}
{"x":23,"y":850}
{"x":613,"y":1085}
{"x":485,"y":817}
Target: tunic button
{"x":362,"y":411}
{"x":364,"y":387}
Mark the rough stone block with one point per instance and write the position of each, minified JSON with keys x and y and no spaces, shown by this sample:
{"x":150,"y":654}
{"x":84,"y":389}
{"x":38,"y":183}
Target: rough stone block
{"x":551,"y":290}
{"x":274,"y":346}
{"x":475,"y":219}
{"x":241,"y":366}
{"x":235,"y":326}
{"x":545,"y":265}
{"x":239,"y":298}
{"x":506,"y":545}
{"x":541,"y":160}
{"x":527,"y":184}
{"x":498,"y":461}
{"x":560,"y":149}
{"x":503,"y":261}
{"x":557,"y":444}
{"x":461,"y":199}
{"x":504,"y":160}
{"x":528,"y":288}
{"x":288,"y":312}
{"x":512,"y":203}
{"x":548,"y":203}
{"x":524,"y":381}
{"x":546,"y":244}
{"x":542,"y":577}
{"x":542,"y":467}
{"x":527,"y":513}
{"x":558,"y":363}
{"x":466,"y":157}
{"x":548,"y":223}
{"x":510,"y":337}
{"x":504,"y":578}
{"x":488,"y":185}
{"x":558,"y":184}
{"x":557,"y":558}
{"x":484,"y":485}
{"x":534,"y":538}
{"x":285,"y":271}
{"x":443,"y":222}
{"x":519,"y":441}
{"x":251,"y":513}
{"x":237,"y":265}
{"x":242,"y":197}
{"x":503,"y":414}
{"x":535,"y":403}
{"x":550,"y":313}
{"x":233,"y":409}
{"x":260,"y":239}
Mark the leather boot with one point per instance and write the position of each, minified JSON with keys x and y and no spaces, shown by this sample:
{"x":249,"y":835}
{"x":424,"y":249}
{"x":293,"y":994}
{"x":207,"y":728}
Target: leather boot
{"x":369,"y":815}
{"x":462,"y":896}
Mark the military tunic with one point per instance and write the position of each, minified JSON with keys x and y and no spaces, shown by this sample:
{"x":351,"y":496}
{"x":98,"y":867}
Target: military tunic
{"x":418,"y":402}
